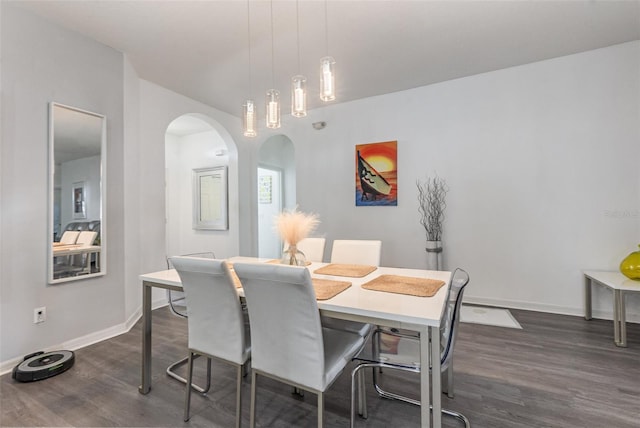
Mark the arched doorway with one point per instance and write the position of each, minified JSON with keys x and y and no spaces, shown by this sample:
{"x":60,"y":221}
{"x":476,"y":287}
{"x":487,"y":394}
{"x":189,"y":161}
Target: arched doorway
{"x":276,"y":190}
{"x":192,"y":141}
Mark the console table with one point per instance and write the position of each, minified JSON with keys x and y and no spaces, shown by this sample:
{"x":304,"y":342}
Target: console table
{"x":620,"y":285}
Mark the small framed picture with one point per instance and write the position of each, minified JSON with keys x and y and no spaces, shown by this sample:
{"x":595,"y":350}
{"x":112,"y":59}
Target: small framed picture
{"x":79,"y":200}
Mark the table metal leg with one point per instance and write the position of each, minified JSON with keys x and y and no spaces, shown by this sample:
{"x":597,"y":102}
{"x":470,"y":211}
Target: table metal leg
{"x":436,"y":377}
{"x":587,"y":298}
{"x":616,"y":317}
{"x":622,"y":322}
{"x":425,"y":399}
{"x":145,"y":387}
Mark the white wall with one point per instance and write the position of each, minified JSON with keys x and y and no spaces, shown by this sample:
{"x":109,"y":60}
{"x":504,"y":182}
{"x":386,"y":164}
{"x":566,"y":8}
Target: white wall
{"x":183,"y":155}
{"x":42,"y":62}
{"x":537,"y":159}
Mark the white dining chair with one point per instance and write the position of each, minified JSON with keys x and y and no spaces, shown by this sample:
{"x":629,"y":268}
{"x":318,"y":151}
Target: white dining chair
{"x":289,"y":343}
{"x":69,"y":237}
{"x":62,"y":264}
{"x":406,"y":353}
{"x":357,"y":252}
{"x":312,"y":248}
{"x":178,"y":307}
{"x":217,"y":324}
{"x":86,"y":238}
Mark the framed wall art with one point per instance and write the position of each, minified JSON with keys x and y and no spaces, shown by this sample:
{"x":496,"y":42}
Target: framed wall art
{"x":376,"y":174}
{"x":79,"y":198}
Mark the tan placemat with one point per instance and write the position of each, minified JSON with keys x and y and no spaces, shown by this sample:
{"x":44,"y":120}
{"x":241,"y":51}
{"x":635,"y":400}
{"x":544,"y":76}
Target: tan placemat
{"x":338,"y":269}
{"x":421,"y":287}
{"x":324,"y":288}
{"x":328,"y":288}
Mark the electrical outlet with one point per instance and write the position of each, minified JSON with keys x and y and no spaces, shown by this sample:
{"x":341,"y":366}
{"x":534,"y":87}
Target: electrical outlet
{"x":39,"y":315}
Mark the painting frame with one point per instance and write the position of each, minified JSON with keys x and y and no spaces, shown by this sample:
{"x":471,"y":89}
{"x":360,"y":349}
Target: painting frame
{"x":79,"y":200}
{"x":376,"y":174}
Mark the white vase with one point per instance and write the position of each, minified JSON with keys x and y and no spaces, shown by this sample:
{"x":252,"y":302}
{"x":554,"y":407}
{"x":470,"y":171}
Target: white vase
{"x":434,"y":255}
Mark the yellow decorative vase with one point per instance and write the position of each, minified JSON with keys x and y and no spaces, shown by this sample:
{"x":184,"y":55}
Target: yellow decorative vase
{"x":630,"y":266}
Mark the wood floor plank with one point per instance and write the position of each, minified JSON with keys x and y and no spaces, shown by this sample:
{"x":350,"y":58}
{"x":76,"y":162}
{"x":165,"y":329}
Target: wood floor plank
{"x":558,"y":371}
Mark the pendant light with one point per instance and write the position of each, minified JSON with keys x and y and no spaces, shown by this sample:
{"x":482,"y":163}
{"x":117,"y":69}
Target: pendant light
{"x":249,"y":113}
{"x":327,"y":67}
{"x":299,"y":82}
{"x":273,"y":95}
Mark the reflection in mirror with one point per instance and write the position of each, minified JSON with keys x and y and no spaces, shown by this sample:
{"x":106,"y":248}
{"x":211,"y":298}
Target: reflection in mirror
{"x":77,"y":162}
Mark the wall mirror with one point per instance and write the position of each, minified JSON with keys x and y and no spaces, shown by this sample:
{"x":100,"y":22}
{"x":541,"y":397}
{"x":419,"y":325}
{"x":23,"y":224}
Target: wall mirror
{"x":77,"y":165}
{"x":210,"y":206}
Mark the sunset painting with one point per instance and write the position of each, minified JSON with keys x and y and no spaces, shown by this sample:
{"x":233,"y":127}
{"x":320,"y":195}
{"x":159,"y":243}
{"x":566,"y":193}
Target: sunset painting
{"x":376,"y":174}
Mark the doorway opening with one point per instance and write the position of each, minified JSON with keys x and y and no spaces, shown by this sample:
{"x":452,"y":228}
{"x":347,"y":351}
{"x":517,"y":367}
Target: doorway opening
{"x":270,"y":204}
{"x":276,"y":191}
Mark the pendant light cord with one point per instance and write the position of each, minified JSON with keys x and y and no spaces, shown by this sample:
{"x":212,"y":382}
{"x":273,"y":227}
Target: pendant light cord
{"x":272,"y":63}
{"x":326,"y":27}
{"x":298,"y":34}
{"x":249,"y":43}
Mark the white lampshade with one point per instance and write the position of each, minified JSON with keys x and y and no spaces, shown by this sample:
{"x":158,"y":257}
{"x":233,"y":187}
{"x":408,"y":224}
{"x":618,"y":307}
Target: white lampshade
{"x":249,"y":116}
{"x":327,"y":79}
{"x":273,"y":108}
{"x":298,"y":96}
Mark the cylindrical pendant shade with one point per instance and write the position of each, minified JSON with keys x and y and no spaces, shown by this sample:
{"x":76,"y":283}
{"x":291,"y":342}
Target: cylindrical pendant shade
{"x":327,"y":79}
{"x":273,"y":108}
{"x":249,"y":116}
{"x":298,"y":96}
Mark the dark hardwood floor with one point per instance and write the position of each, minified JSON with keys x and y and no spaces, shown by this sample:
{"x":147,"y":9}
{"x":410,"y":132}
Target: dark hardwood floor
{"x":559,"y":371}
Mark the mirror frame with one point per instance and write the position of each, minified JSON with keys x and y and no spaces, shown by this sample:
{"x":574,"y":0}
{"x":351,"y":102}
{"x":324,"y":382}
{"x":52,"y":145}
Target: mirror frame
{"x":102,"y":256}
{"x":220,"y":194}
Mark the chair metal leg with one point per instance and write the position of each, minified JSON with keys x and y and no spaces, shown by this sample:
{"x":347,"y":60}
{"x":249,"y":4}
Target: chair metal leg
{"x":450,"y":379}
{"x":357,"y":387}
{"x":187,"y":394}
{"x":458,"y":415}
{"x":239,"y":395}
{"x":320,"y":409}
{"x":170,"y":371}
{"x":252,"y":414}
{"x":362,"y":398}
{"x":393,"y":396}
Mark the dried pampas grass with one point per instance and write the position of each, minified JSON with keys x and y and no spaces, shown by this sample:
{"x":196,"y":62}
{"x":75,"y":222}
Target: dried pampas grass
{"x":294,"y":226}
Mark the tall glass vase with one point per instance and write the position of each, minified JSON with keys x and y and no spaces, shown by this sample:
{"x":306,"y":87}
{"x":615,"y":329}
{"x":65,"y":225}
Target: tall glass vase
{"x":434,"y":255}
{"x":294,"y":257}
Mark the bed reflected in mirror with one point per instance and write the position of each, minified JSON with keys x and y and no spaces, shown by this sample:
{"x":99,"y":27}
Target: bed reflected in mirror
{"x":77,"y":162}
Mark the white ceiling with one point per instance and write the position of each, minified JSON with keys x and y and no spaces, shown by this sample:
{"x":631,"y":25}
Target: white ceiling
{"x":200,"y":48}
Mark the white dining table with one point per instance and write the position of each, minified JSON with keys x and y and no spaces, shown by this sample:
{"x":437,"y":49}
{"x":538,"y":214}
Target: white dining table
{"x":421,"y":314}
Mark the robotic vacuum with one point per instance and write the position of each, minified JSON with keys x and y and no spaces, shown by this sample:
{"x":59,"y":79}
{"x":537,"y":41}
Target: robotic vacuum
{"x":42,"y":365}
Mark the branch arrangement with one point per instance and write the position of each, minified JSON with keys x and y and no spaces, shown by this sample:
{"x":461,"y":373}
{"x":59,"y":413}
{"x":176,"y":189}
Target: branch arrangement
{"x":431,"y":205}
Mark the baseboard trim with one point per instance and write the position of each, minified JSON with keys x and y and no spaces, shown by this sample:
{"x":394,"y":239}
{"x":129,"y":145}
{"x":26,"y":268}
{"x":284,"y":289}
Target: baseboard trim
{"x":551,"y":309}
{"x":89,"y":339}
